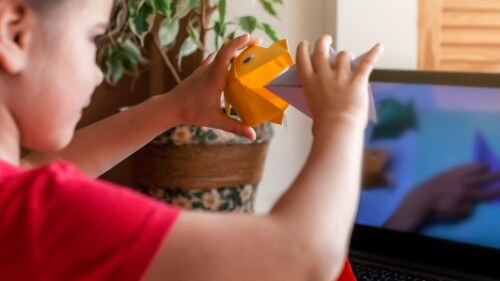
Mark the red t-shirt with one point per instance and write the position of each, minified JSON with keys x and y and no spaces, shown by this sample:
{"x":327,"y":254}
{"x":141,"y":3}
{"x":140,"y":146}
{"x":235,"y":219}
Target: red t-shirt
{"x":56,"y":224}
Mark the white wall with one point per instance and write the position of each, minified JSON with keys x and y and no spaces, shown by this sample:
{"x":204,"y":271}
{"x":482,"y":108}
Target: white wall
{"x":356,"y":25}
{"x":362,"y":23}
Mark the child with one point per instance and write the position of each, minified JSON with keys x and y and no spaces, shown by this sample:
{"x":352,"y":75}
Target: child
{"x":56,"y":224}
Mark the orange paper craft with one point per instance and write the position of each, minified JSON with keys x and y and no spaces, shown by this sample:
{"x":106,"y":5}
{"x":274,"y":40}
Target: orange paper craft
{"x":253,"y":69}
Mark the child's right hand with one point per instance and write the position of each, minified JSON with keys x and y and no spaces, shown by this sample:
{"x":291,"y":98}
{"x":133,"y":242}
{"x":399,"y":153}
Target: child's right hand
{"x":338,"y":91}
{"x":197,"y":98}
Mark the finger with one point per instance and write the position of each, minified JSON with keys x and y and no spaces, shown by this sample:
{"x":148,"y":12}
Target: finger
{"x":343,"y":61}
{"x":484,"y":194}
{"x":231,"y":48}
{"x":321,"y":56}
{"x":252,"y":42}
{"x":255,"y":41}
{"x":368,"y":63}
{"x":304,"y":64}
{"x":477,"y":168}
{"x":483,"y":179}
{"x":208,"y":60}
{"x":470,"y":169}
{"x":231,"y":125}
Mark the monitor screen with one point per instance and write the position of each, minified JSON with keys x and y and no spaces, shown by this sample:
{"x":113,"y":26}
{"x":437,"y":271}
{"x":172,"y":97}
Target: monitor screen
{"x":432,"y":162}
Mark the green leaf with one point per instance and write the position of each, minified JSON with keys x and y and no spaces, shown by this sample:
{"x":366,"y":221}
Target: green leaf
{"x":132,"y":49}
{"x":231,"y":36}
{"x":188,"y":47}
{"x":125,"y":60}
{"x":222,"y":7}
{"x":109,"y":65}
{"x":220,"y":28}
{"x":116,"y":70}
{"x":119,"y":17}
{"x":183,"y":7}
{"x":169,"y":29}
{"x":134,"y":7}
{"x":142,"y":22}
{"x":103,"y":54}
{"x":163,"y":7}
{"x":270,"y":31}
{"x":119,"y":59}
{"x":269,"y":7}
{"x":216,"y":42}
{"x":248,"y":23}
{"x":129,"y":65}
{"x":174,"y":8}
{"x":115,"y":75}
{"x":195,"y":36}
{"x":103,"y":58}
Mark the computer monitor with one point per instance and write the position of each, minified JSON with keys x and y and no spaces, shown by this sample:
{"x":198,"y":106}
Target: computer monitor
{"x":431,"y":181}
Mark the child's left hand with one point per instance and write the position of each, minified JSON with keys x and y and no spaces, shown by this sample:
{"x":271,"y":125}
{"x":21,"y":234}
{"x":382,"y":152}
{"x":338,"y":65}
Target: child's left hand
{"x":198,"y":97}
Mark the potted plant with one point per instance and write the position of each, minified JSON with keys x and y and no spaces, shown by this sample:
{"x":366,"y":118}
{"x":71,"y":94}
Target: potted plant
{"x":192,"y":167}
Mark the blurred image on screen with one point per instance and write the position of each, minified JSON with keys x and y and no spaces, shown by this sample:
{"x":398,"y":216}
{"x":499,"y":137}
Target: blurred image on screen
{"x":432,"y":162}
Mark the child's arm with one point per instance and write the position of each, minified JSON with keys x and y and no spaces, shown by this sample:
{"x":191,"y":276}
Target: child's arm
{"x":98,"y":147}
{"x":307,"y":233}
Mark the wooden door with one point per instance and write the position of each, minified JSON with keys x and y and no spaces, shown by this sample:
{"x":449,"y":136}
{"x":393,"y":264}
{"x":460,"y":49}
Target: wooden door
{"x":459,"y":35}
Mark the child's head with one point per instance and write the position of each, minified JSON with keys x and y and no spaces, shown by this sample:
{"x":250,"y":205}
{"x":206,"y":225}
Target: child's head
{"x":47,"y":65}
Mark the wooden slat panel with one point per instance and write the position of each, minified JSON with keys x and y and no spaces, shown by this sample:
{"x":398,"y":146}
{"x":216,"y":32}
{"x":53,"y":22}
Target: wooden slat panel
{"x":485,"y":54}
{"x":471,"y":5}
{"x":470,"y":67}
{"x":429,"y":23}
{"x":471,"y":19}
{"x":470,"y":36}
{"x":459,"y":35}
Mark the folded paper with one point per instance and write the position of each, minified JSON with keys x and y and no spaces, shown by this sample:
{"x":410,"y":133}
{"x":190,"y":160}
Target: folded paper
{"x":254,"y":68}
{"x":262,"y":83}
{"x":375,"y":164}
{"x":484,"y":154}
{"x":394,"y":119}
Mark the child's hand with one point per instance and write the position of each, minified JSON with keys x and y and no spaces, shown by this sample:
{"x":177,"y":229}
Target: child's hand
{"x":198,"y":97}
{"x":450,"y":195}
{"x":454,"y":194}
{"x":337,"y":91}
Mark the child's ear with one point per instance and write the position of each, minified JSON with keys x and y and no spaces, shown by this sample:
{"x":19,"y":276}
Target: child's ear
{"x":15,"y":35}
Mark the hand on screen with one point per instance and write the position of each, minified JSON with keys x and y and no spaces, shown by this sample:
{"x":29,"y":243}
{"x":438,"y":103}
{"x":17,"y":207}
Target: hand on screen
{"x":454,"y":193}
{"x":450,"y":195}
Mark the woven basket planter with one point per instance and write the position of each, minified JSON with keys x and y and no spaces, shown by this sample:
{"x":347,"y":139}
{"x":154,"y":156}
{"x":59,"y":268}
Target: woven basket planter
{"x":201,"y":168}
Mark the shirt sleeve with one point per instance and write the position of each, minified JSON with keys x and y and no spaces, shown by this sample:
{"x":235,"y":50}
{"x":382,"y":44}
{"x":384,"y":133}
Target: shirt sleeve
{"x":93,"y":230}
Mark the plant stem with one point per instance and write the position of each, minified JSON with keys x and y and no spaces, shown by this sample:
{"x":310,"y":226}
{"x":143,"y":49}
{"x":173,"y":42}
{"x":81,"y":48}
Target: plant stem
{"x":203,"y":20}
{"x":227,"y":23}
{"x":206,"y":13}
{"x":166,"y":59}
